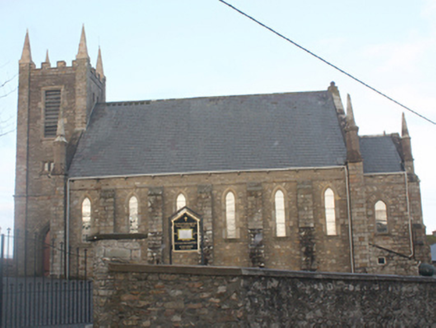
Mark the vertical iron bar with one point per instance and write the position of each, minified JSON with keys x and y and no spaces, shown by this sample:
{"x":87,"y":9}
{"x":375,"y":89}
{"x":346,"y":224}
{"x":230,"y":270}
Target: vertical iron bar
{"x":17,"y":273}
{"x":65,"y":301}
{"x":80,"y":296}
{"x":38,"y":305}
{"x":56,"y":303}
{"x":78,"y":262}
{"x":202,"y":241}
{"x":77,"y":302}
{"x":16,"y":251}
{"x":8,"y":304}
{"x":13,"y":302}
{"x":85,"y":309}
{"x":74,"y":302}
{"x":62,"y":302}
{"x":68,"y":300}
{"x":170,"y":243}
{"x":51,"y":295}
{"x":26,"y":235}
{"x":16,"y":261}
{"x":34,"y":255}
{"x":29,"y":304}
{"x":86,"y":251}
{"x":32,"y":307}
{"x":34,"y":278}
{"x":68,"y":258}
{"x":21,"y":309}
{"x":89,"y":310}
{"x":2,"y":246}
{"x":42,"y":297}
{"x":61,"y":306}
{"x":25,"y":256}
{"x":44,"y":306}
{"x":50,"y":299}
{"x":52,"y":257}
{"x":7,"y":243}
{"x":61,"y":260}
{"x":90,"y":302}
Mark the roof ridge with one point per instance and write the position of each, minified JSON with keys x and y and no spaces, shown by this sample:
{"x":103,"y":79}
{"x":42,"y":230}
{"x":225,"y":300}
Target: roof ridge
{"x":148,"y":101}
{"x":377,"y":135}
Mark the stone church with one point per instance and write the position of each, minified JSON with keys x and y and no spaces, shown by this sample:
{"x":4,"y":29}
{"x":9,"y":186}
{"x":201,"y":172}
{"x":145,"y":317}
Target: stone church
{"x":280,"y":181}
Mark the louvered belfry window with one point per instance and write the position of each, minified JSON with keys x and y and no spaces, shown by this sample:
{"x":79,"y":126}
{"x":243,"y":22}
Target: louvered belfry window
{"x":51,"y":113}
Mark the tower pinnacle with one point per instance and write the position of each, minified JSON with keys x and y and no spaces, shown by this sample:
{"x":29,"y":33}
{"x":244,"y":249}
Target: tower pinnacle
{"x":99,"y":66}
{"x":404,"y":129}
{"x":351,"y":135}
{"x":83,"y":50}
{"x":47,"y":59}
{"x":350,"y":114}
{"x":26,"y":56}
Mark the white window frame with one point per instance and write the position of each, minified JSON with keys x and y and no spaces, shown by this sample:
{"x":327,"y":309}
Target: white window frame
{"x":180,"y":201}
{"x":280,"y":213}
{"x":330,"y":212}
{"x":381,"y":217}
{"x":230,"y":213}
{"x":86,"y":210}
{"x":133,"y":214}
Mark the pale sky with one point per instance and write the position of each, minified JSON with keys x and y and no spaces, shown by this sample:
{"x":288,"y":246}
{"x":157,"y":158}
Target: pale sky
{"x":191,"y":48}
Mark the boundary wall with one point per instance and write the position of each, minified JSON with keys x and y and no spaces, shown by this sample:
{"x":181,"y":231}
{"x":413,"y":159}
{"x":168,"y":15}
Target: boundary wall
{"x":136,"y":295}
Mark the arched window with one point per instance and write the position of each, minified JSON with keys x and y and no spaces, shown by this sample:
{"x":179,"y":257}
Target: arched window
{"x":133,"y":214}
{"x":330,"y":214}
{"x":381,"y":217}
{"x":86,"y":219}
{"x":279,"y":202}
{"x":230,"y":215}
{"x":180,"y":202}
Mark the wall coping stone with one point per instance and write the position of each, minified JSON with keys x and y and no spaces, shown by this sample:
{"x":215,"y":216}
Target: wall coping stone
{"x":238,"y":271}
{"x":117,"y":236}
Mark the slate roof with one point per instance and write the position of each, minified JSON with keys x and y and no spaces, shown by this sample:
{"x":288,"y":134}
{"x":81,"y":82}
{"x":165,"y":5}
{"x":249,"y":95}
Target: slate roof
{"x":379,"y":154}
{"x":231,"y":133}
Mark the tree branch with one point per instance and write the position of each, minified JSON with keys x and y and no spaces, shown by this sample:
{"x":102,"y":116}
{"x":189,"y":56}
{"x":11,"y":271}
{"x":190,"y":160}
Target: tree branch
{"x":8,"y":93}
{"x":7,"y":81}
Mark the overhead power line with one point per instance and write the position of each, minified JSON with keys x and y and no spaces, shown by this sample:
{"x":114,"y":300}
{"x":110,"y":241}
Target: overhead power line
{"x":328,"y":63}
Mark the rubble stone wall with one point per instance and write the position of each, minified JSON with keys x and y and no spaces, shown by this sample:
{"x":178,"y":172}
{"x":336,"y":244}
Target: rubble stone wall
{"x":129,"y":295}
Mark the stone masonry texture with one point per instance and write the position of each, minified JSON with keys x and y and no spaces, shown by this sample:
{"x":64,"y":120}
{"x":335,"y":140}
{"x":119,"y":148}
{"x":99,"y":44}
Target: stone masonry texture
{"x":251,"y":146}
{"x":128,"y":295}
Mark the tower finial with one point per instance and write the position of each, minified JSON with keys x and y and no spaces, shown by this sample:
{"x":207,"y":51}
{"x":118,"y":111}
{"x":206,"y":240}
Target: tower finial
{"x":406,"y":147}
{"x":333,"y":88}
{"x":47,"y":59}
{"x":99,"y":66}
{"x":351,"y":135}
{"x":26,"y":56}
{"x":404,"y":129}
{"x":350,"y":114}
{"x":83,"y":50}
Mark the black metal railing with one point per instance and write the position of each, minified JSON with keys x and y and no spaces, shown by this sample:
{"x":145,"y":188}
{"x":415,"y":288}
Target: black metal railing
{"x":33,"y":302}
{"x":31,"y":295}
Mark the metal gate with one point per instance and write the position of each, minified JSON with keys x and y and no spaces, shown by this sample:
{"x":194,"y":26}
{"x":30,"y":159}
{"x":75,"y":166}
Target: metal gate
{"x":33,"y":302}
{"x":39,"y":301}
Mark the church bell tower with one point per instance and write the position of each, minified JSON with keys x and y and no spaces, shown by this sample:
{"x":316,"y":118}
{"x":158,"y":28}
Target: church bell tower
{"x":54,"y":107}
